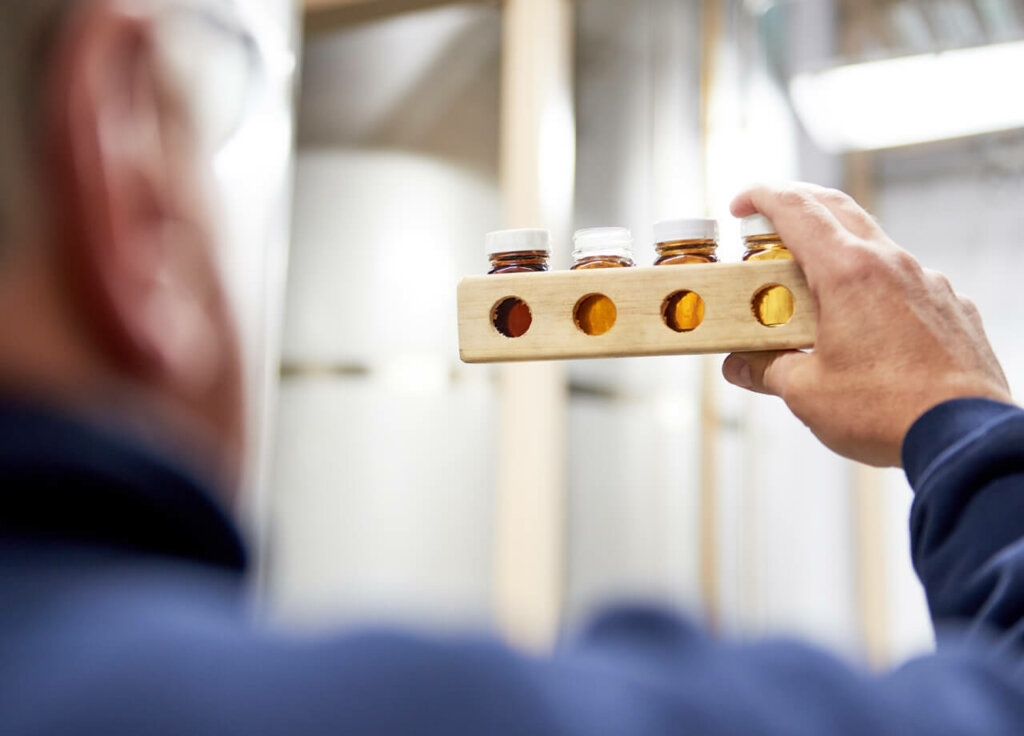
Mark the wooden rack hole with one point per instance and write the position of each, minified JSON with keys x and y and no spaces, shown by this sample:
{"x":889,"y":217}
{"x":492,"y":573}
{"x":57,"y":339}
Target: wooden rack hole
{"x":683,"y":311}
{"x":512,"y":317}
{"x":595,"y":315}
{"x":773,"y":305}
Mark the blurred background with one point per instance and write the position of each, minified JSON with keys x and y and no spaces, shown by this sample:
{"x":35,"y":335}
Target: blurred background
{"x":394,"y":483}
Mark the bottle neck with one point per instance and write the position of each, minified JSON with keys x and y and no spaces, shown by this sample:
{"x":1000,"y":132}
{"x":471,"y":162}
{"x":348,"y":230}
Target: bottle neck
{"x":603,"y":261}
{"x":766,"y":248}
{"x":519,"y":262}
{"x":682,"y":252}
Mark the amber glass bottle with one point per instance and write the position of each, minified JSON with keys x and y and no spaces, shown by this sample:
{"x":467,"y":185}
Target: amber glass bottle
{"x":685,"y":242}
{"x":516,"y":251}
{"x":519,"y":251}
{"x":774,"y":305}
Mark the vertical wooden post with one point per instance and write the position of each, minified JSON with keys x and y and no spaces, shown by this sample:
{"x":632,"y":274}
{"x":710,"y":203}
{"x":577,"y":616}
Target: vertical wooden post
{"x":868,"y":507}
{"x":868,"y":501}
{"x":537,"y":174}
{"x":868,"y":486}
{"x":711,"y":33}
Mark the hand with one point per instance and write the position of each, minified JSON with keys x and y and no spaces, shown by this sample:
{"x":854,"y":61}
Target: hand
{"x":894,"y":340}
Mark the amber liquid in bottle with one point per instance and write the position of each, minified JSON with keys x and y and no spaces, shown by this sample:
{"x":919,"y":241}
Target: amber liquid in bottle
{"x":597,"y":314}
{"x":519,"y":262}
{"x":513,"y":317}
{"x":773,"y":306}
{"x":587,"y":264}
{"x":684,"y":312}
{"x":687,"y":253}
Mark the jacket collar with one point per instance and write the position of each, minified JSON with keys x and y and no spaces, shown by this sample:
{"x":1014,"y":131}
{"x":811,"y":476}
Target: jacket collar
{"x":66,"y":479}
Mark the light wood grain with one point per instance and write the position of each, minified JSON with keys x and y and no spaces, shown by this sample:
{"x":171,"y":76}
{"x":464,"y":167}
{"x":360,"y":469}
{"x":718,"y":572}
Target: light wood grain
{"x":639,"y":293}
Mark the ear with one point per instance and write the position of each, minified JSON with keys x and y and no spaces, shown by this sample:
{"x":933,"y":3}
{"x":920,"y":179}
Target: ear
{"x":131,"y":232}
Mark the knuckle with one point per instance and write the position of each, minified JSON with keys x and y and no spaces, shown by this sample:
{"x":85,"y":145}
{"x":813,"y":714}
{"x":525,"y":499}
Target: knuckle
{"x":796,"y":198}
{"x":838,"y":197}
{"x":861,"y":263}
{"x":938,"y":281}
{"x":843,"y":202}
{"x":969,"y":305}
{"x":906,"y":263}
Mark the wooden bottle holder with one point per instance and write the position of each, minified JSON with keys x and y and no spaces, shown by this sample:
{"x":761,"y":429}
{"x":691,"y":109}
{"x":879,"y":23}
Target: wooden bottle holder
{"x":639,"y":294}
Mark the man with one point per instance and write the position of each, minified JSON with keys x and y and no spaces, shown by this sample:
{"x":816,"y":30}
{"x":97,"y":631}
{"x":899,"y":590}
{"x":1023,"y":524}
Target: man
{"x":121,"y":601}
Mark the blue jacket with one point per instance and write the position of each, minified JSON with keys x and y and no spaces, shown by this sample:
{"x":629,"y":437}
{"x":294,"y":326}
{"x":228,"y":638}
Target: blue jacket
{"x":122,"y":610}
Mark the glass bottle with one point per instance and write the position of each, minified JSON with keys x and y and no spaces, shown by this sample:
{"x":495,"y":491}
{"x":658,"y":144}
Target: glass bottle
{"x":685,"y":242}
{"x":516,"y":251}
{"x":774,"y":305}
{"x":519,"y":251}
{"x":593,"y":248}
{"x":602,"y":247}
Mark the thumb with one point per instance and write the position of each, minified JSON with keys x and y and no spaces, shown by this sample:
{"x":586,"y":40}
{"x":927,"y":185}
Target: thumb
{"x":766,"y":373}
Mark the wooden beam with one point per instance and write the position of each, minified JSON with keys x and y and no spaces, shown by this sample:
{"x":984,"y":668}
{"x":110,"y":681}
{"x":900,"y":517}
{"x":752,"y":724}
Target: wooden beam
{"x":869,"y":491}
{"x":537,"y":173}
{"x":324,"y":15}
{"x":712,"y":29}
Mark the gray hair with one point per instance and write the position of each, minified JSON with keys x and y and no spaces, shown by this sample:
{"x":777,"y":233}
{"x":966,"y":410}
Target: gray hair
{"x":28,"y":33}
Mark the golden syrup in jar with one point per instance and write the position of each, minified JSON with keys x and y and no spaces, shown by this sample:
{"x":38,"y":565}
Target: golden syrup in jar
{"x":685,"y":242}
{"x":596,"y":315}
{"x":687,"y":253}
{"x":774,"y":305}
{"x":588,"y":264}
{"x":683,"y":311}
{"x":597,"y":248}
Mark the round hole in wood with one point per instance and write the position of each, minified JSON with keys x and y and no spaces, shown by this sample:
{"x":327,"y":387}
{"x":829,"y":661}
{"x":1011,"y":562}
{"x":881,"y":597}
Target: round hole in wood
{"x":595,"y":314}
{"x":773,"y":305}
{"x":683,"y":311}
{"x":512,"y":317}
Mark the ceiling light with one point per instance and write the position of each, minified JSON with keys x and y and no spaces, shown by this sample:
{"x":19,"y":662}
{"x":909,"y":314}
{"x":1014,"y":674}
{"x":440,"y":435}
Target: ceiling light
{"x":913,"y":99}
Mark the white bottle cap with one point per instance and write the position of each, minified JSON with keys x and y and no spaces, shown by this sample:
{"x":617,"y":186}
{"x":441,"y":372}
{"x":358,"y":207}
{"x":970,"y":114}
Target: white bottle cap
{"x":696,"y":228}
{"x":524,"y":240}
{"x":757,"y":225}
{"x":602,"y":241}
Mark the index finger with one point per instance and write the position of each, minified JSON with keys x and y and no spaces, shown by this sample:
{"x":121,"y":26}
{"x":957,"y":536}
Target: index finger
{"x":810,"y":230}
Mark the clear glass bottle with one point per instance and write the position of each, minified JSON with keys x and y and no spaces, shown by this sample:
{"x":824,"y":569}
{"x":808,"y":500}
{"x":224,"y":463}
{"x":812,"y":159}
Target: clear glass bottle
{"x":685,"y":242}
{"x":519,"y":251}
{"x":602,"y":247}
{"x":594,"y":248}
{"x":773,"y":306}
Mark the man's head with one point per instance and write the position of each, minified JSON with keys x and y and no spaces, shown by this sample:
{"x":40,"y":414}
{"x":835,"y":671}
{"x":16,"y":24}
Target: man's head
{"x":110,"y":299}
